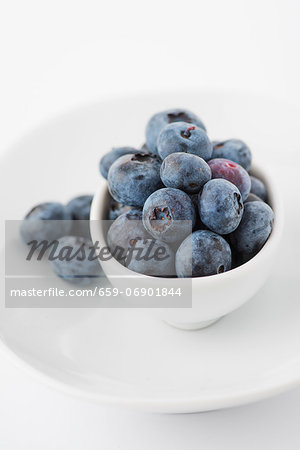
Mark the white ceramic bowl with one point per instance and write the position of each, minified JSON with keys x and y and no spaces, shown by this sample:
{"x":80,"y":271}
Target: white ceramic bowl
{"x":212,"y":296}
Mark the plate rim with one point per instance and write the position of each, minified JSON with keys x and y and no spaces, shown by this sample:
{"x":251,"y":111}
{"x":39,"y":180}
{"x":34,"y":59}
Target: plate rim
{"x":145,"y":404}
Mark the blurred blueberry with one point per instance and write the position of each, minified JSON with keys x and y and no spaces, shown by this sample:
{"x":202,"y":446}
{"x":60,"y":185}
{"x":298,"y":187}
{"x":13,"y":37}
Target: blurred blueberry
{"x":258,"y":188}
{"x":252,"y":198}
{"x":75,"y":260}
{"x":79,"y":208}
{"x":46,"y":221}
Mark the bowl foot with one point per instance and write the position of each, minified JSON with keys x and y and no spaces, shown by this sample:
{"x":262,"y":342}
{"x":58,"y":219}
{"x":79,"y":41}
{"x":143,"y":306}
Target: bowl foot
{"x":193,"y":326}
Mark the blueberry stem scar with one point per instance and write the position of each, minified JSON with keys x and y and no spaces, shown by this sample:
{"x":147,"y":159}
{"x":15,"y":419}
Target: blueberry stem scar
{"x":187,"y":133}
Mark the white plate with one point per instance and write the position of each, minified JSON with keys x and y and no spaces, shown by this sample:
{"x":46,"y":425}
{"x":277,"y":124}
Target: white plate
{"x":127,"y":357}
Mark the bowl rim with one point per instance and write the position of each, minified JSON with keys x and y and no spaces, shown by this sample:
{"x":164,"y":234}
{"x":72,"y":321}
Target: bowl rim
{"x":99,"y":206}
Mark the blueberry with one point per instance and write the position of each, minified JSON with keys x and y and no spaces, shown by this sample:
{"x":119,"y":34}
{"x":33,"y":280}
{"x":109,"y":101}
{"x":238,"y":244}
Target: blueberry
{"x":152,"y":257}
{"x":169,"y":215}
{"x":109,"y":158}
{"x":194,"y":199}
{"x":237,"y":259}
{"x":46,"y":221}
{"x":116,"y":209}
{"x":221,"y":206}
{"x":252,"y":198}
{"x":132,"y":178}
{"x":184,"y":137}
{"x":235,"y":150}
{"x":258,"y":188}
{"x":75,"y":260}
{"x":161,"y":119}
{"x":185,"y":171}
{"x":203,"y":253}
{"x":233,"y":172}
{"x":125,"y":232}
{"x":79,"y":208}
{"x":199,"y":225}
{"x":254,"y":229}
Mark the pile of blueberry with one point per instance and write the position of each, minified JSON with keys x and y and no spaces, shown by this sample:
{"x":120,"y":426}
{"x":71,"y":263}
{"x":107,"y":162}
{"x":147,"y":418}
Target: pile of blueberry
{"x":66,"y":226}
{"x":194,"y":197}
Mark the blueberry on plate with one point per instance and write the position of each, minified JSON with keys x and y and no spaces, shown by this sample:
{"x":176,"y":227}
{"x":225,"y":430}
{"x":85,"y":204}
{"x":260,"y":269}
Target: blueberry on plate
{"x":201,"y":254}
{"x":221,"y":206}
{"x":184,"y":137}
{"x":233,"y":172}
{"x":75,"y":260}
{"x":79,"y":208}
{"x":46,"y":221}
{"x":161,"y":119}
{"x":185,"y":171}
{"x":258,"y":188}
{"x":254,"y":229}
{"x":109,"y":158}
{"x":152,"y":257}
{"x":132,"y":178}
{"x":169,"y":215}
{"x":234,"y":150}
{"x":125,"y":232}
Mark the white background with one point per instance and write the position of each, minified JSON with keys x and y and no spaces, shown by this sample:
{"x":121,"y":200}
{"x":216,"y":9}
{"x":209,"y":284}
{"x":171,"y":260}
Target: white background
{"x":61,"y":53}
